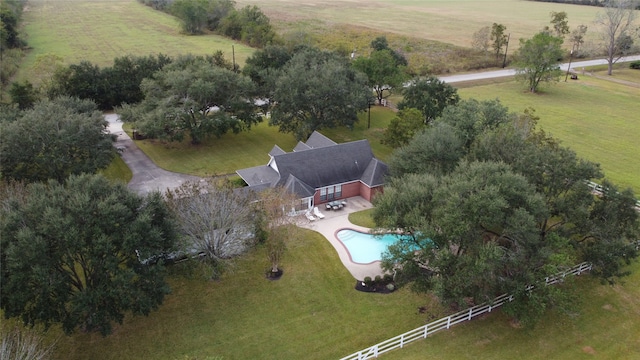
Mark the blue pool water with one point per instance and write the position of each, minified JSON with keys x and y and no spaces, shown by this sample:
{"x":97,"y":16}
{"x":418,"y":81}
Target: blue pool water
{"x":365,"y":248}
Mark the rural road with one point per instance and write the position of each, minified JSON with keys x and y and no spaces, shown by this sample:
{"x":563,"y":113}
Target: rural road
{"x":512,"y":72}
{"x":147,"y":176}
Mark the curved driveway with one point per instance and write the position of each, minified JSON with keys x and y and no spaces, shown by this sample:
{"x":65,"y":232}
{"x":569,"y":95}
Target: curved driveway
{"x":147,"y":176}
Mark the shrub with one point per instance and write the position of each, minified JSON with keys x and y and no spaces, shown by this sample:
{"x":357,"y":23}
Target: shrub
{"x":378,"y":278}
{"x":387,"y":278}
{"x":391,"y":287}
{"x":367,"y":281}
{"x":635,"y":65}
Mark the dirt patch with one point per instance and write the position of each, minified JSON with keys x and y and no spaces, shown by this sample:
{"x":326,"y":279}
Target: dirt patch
{"x":607,"y":307}
{"x":588,"y":350}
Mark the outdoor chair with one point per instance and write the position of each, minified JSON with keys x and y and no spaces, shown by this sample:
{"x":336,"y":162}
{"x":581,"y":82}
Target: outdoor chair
{"x":309,"y":216}
{"x":317,"y":213}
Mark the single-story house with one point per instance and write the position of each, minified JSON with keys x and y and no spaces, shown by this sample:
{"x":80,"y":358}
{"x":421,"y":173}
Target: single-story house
{"x":320,"y":170}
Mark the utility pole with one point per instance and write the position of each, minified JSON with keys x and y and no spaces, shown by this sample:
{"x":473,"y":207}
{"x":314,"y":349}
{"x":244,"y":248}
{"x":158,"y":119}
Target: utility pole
{"x":233,"y":55}
{"x":504,"y":62}
{"x":569,"y":67}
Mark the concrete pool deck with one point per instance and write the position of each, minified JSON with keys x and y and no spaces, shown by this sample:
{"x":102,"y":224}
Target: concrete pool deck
{"x":335,"y":220}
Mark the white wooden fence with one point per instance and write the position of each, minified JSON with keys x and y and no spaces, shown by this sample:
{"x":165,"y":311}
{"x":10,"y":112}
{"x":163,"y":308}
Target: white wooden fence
{"x":599,"y":189}
{"x":459,"y":317}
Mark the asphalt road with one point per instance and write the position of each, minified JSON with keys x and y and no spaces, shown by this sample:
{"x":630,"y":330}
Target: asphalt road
{"x":510,"y":72}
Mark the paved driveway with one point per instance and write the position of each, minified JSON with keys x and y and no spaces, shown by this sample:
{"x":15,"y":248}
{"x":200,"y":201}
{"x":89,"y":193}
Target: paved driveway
{"x":147,"y":176}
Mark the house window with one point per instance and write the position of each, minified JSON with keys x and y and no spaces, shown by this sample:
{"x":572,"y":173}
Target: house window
{"x":323,"y":194}
{"x":330,"y":193}
{"x":338,"y":191}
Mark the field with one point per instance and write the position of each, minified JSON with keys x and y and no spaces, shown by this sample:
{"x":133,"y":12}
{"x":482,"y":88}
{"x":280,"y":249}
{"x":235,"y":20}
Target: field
{"x":100,"y":30}
{"x":448,"y":21}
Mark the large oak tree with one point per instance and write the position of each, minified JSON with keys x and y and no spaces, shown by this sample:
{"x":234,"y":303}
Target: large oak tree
{"x":317,"y":90}
{"x":73,"y":253}
{"x":55,"y":139}
{"x":194,"y":97}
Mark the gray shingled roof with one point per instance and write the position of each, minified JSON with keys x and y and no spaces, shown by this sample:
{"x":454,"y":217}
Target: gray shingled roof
{"x":339,"y":163}
{"x":276,"y":151}
{"x":374,"y":174}
{"x":326,"y":163}
{"x":294,"y":185}
{"x":300,"y":146}
{"x":317,"y":140}
{"x":259,"y":175}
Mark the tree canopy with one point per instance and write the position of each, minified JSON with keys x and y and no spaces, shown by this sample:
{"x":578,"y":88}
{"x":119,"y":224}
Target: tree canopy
{"x":429,"y":95}
{"x":55,"y":139}
{"x":492,"y":205}
{"x":318,"y":90}
{"x":71,"y":253}
{"x":194,"y":97}
{"x":403,"y":127}
{"x":499,"y":38}
{"x":108,"y":87}
{"x":264,"y":66}
{"x":537,"y":60}
{"x":383,"y":72}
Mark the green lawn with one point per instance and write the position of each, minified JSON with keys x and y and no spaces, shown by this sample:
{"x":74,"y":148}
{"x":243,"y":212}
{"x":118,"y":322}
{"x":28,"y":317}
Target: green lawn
{"x":596,"y":118}
{"x":312,"y":312}
{"x":99,"y":31}
{"x":117,"y":171}
{"x":237,"y":151}
{"x":605,"y":326}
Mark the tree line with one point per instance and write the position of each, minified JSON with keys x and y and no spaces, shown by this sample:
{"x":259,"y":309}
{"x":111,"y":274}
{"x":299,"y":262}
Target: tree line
{"x":248,"y":24}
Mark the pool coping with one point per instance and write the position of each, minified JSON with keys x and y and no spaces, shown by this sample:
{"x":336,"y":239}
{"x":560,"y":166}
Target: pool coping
{"x":335,"y":220}
{"x":347,"y":249}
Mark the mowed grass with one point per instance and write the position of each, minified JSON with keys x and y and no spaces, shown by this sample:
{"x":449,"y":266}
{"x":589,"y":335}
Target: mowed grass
{"x":117,"y":171}
{"x":251,"y":148}
{"x":604,"y":325}
{"x":312,"y":312}
{"x":597,"y":118}
{"x":450,"y":21}
{"x":101,"y":30}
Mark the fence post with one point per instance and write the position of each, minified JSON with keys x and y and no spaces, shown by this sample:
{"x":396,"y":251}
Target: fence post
{"x":470,"y":311}
{"x":426,"y":331}
{"x":490,"y":308}
{"x":448,"y":321}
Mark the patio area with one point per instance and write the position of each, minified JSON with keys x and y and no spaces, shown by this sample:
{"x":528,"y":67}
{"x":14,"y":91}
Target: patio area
{"x":336,"y":220}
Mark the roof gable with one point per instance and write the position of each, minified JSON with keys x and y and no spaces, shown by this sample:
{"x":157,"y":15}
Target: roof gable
{"x":339,"y":163}
{"x":317,"y":140}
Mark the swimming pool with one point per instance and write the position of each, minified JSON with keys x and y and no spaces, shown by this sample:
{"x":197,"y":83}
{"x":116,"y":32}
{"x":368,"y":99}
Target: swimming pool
{"x":365,"y":248}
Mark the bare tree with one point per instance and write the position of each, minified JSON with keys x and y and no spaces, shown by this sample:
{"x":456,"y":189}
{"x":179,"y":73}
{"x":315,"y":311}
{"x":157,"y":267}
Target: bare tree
{"x":19,"y":343}
{"x":616,"y":21}
{"x":276,"y":205}
{"x":482,"y":39}
{"x":215,"y":221}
